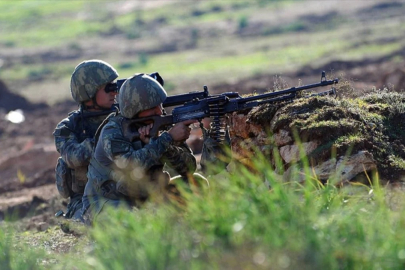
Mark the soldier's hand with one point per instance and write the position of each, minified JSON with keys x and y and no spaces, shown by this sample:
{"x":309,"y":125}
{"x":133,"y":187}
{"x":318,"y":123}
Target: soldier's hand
{"x":144,"y":133}
{"x":181,"y":131}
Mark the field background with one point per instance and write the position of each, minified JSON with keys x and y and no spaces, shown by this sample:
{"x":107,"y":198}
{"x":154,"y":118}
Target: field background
{"x":196,"y":43}
{"x":244,"y":46}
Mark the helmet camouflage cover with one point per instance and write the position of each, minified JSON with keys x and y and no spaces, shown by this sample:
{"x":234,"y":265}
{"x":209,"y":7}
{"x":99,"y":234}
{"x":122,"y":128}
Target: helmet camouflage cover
{"x":88,"y":77}
{"x":138,"y":93}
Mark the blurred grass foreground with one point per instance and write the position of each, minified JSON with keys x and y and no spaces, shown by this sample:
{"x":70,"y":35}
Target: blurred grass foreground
{"x":244,"y":220}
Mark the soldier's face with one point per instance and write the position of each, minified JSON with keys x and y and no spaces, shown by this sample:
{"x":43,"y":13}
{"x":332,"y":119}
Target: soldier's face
{"x":158,"y":110}
{"x":105,"y":100}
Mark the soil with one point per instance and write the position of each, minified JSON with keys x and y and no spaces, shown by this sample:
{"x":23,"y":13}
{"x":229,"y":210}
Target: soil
{"x":28,"y":159}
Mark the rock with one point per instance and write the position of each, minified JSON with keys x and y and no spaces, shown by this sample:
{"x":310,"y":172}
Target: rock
{"x":282,"y":137}
{"x":349,"y":167}
{"x":293,"y":152}
{"x":245,"y":136}
{"x":241,"y":128}
{"x":42,"y":226}
{"x":342,"y":170}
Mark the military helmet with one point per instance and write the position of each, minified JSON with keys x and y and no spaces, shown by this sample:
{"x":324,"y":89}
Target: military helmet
{"x":138,"y":93}
{"x":87,"y":78}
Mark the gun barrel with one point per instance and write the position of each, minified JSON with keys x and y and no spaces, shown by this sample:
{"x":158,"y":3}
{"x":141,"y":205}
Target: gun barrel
{"x":291,"y":90}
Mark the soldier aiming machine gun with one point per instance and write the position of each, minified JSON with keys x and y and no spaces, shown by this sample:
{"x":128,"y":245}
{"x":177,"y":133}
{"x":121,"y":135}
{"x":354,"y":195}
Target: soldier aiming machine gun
{"x":217,"y":106}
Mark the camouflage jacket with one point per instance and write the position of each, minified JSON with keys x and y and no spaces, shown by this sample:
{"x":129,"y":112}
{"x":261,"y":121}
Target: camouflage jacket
{"x":74,"y":140}
{"x":133,"y":165}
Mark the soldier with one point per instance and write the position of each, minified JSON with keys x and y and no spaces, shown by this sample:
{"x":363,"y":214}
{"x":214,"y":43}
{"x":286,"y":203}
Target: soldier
{"x":127,"y":171}
{"x":74,"y":135}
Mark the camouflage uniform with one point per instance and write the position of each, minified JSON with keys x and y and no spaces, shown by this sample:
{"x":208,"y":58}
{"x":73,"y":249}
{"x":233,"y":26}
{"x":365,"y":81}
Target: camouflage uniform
{"x":74,"y":135}
{"x":134,"y":168}
{"x":74,"y":140}
{"x":125,"y":172}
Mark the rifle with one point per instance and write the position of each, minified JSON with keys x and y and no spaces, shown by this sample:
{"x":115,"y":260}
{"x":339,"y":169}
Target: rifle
{"x":217,"y":106}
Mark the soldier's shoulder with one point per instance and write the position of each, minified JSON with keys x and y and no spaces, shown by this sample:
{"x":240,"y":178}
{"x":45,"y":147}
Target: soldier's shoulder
{"x":72,"y":117}
{"x":112,"y":123}
{"x":115,"y":119}
{"x":68,"y":123}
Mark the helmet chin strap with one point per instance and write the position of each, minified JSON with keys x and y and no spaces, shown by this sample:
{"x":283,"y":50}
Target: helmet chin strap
{"x":95,"y":106}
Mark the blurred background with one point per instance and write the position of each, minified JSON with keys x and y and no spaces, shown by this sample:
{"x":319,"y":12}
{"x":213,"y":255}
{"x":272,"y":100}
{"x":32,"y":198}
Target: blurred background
{"x":190,"y":43}
{"x":243,"y":45}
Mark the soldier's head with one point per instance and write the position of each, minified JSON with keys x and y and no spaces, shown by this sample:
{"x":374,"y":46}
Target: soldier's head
{"x":88,"y":82}
{"x":139,"y":94}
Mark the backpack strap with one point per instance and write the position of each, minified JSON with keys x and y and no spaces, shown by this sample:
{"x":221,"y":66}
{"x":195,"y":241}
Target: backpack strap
{"x":100,"y":127}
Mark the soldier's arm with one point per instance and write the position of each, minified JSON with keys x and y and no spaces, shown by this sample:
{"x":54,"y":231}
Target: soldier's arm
{"x":73,"y":152}
{"x":121,"y":151}
{"x":180,"y":158}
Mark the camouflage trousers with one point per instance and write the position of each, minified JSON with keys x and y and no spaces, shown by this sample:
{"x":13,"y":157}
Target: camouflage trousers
{"x":170,"y":193}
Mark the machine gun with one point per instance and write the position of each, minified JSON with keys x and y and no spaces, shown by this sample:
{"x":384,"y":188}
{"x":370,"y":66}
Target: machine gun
{"x":217,"y":106}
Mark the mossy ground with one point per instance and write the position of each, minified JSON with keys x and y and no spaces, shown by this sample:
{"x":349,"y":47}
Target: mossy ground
{"x":372,"y":122}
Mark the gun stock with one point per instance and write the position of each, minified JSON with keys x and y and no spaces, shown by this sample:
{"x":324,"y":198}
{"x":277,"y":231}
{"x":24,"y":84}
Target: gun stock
{"x":160,"y":122}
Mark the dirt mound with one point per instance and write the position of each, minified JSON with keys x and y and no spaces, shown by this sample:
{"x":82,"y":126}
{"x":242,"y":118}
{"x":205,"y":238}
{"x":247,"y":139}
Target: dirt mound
{"x":10,"y":101}
{"x":341,"y":139}
{"x":28,"y":156}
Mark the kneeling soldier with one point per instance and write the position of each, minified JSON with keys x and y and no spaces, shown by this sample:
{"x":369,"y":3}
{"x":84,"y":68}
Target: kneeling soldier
{"x":127,"y":171}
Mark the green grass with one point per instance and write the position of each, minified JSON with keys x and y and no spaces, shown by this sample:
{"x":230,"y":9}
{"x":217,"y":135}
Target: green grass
{"x":52,"y":34}
{"x":34,"y":23}
{"x":370,"y":51}
{"x":15,"y":255}
{"x":38,"y":71}
{"x":240,"y":223}
{"x":197,"y":12}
